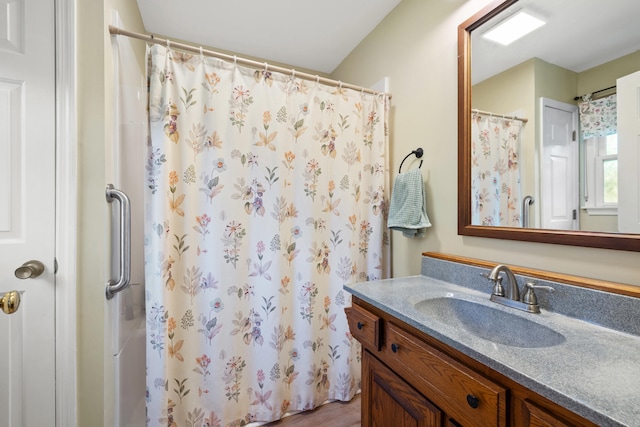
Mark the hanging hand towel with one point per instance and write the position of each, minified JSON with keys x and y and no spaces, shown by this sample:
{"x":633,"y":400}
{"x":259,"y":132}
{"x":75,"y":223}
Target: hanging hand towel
{"x":408,"y":207}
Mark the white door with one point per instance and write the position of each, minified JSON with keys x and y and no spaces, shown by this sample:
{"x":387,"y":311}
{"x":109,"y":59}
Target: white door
{"x":629,"y":153}
{"x":559,"y":166}
{"x":27,"y":222}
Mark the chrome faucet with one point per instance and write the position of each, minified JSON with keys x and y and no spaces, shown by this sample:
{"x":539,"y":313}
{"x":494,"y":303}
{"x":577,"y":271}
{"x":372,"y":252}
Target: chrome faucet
{"x":512,"y":283}
{"x":529,"y":301}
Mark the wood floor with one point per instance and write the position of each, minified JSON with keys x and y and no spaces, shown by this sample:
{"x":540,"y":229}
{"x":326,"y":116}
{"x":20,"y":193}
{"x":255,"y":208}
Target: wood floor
{"x":335,"y":414}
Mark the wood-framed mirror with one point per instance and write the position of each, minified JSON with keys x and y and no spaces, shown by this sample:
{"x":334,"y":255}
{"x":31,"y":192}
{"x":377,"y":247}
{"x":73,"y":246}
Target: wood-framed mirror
{"x":595,"y":239}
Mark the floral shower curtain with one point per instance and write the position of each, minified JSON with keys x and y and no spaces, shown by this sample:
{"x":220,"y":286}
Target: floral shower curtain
{"x":495,"y":180}
{"x":265,"y":194}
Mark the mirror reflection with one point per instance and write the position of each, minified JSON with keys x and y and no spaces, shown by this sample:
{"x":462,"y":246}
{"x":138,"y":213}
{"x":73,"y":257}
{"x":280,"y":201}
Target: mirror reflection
{"x":552,"y":138}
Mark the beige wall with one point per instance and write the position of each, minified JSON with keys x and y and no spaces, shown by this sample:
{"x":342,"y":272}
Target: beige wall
{"x":91,"y":135}
{"x":416,"y":47}
{"x":555,"y":82}
{"x":605,"y":75}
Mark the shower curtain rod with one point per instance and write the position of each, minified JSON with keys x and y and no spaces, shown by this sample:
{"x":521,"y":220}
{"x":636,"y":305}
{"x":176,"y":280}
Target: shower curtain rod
{"x":489,"y":113}
{"x":289,"y":71}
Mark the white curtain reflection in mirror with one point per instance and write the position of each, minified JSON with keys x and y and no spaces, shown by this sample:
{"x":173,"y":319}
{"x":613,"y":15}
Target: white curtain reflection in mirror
{"x":495,"y":182}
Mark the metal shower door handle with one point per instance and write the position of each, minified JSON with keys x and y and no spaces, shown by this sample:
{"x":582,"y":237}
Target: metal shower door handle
{"x":124,"y":260}
{"x":526,"y":202}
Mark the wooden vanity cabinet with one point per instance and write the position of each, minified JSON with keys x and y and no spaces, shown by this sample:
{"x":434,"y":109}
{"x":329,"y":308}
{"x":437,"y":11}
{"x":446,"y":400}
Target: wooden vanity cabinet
{"x":406,"y":382}
{"x":412,"y":379}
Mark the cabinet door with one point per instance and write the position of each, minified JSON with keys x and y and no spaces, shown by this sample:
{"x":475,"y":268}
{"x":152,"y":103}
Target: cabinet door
{"x":389,"y":401}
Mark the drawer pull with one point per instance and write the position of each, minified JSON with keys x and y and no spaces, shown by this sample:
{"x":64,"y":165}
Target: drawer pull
{"x":394,"y":347}
{"x":473,"y":401}
{"x":360,"y":325}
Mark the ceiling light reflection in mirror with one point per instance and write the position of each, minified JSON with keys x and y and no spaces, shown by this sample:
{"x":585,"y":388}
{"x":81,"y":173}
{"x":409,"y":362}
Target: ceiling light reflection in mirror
{"x":511,"y":29}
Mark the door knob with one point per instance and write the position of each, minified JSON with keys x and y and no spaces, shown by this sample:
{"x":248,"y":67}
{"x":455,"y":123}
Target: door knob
{"x":10,"y":302}
{"x":30,"y":270}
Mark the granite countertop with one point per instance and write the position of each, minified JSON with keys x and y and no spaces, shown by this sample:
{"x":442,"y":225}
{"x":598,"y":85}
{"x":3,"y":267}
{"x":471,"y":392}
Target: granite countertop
{"x":594,"y":372}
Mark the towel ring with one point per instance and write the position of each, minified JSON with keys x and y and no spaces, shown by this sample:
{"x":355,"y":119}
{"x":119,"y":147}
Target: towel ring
{"x":418,"y":152}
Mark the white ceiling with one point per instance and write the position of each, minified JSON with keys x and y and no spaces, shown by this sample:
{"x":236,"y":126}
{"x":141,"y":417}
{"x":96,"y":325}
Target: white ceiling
{"x":578,"y":35}
{"x":302,"y":33}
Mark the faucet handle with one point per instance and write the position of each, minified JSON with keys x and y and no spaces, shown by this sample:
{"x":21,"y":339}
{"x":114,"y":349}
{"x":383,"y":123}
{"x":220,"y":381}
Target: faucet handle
{"x":497,"y":287}
{"x":498,"y":290}
{"x":529,"y":296}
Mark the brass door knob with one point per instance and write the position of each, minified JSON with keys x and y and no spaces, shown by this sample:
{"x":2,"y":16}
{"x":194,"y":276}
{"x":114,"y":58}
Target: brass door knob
{"x":29,"y":270}
{"x":10,"y":302}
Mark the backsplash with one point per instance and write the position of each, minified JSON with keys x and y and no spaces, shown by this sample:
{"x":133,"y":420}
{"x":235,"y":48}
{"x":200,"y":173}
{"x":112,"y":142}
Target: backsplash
{"x":610,"y":310}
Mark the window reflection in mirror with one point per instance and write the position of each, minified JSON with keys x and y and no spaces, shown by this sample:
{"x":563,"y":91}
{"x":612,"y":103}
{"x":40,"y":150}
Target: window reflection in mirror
{"x":600,"y":177}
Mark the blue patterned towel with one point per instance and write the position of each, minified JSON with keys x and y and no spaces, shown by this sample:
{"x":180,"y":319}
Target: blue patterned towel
{"x":408,"y":207}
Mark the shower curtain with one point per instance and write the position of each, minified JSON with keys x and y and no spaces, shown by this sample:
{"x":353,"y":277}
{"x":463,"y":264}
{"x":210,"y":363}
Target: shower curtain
{"x":265,"y":195}
{"x":495,"y":178}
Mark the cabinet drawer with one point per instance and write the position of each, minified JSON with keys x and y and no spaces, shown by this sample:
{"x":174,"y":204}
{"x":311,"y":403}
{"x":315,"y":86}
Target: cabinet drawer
{"x":463,"y":394}
{"x":364,"y":326}
{"x":538,"y":417}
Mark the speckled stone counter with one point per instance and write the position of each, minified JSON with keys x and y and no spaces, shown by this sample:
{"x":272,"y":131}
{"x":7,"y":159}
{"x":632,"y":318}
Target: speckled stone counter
{"x":595,"y":371}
